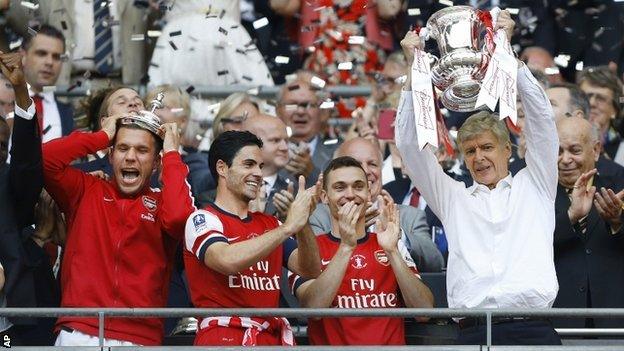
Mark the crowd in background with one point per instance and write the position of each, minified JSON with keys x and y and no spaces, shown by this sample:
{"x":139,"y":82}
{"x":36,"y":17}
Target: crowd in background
{"x":119,"y":55}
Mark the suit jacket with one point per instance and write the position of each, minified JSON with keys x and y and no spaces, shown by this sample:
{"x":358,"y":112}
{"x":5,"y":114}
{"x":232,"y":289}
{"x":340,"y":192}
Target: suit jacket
{"x":589,"y":266}
{"x":20,"y":185}
{"x":280,"y":184}
{"x":323,"y":153}
{"x":67,"y":117}
{"x":60,"y":14}
{"x":416,"y":235}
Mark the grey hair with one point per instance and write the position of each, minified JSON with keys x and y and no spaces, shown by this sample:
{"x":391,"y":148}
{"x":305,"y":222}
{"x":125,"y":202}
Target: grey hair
{"x":228,"y":106}
{"x":578,"y":99}
{"x":480,"y":123}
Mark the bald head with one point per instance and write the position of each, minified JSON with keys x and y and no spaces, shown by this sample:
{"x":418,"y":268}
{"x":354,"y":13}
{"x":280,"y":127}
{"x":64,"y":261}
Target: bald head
{"x":579,"y":149}
{"x":369,"y":155}
{"x":272,"y":131}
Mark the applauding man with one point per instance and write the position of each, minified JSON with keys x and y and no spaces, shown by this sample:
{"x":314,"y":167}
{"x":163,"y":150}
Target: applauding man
{"x":360,"y":269}
{"x":234,"y":257}
{"x":122,"y":234}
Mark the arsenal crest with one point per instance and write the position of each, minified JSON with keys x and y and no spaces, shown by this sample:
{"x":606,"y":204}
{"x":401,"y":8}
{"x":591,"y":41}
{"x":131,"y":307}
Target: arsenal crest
{"x":149,"y":203}
{"x":382,"y":258}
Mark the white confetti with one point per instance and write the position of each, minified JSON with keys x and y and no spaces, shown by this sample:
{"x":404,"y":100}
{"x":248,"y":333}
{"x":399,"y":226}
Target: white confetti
{"x":29,"y":5}
{"x":153,"y":33}
{"x":260,"y":22}
{"x":356,"y":40}
{"x":345,"y":66}
{"x":282,"y":59}
{"x":513,"y":11}
{"x":562,"y":60}
{"x":579,"y":66}
{"x":328,"y":104}
{"x":413,"y":12}
{"x":446,"y":2}
{"x":318,"y":82}
{"x":551,"y":71}
{"x":137,"y":37}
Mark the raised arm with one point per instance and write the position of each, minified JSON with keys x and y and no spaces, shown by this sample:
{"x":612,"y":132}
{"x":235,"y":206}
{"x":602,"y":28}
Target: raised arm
{"x":26,"y":170}
{"x":422,"y":166}
{"x":540,"y":132}
{"x":177,"y":201}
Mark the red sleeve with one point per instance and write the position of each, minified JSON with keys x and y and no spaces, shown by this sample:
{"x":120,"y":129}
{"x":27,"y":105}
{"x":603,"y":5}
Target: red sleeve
{"x":66,"y":184}
{"x":177,"y":201}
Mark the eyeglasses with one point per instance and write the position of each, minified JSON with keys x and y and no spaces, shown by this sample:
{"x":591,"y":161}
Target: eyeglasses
{"x":304,"y":105}
{"x":235,"y":119}
{"x":599,"y":98}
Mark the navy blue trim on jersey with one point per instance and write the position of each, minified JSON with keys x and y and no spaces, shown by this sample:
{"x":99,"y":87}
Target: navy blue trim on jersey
{"x":222,"y":211}
{"x":299,"y":280}
{"x":204,"y":247}
{"x":288,"y":248}
{"x":336,"y":239}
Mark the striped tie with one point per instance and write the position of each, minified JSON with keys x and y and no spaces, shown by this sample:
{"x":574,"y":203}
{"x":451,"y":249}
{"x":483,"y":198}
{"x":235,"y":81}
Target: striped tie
{"x":103,"y":57}
{"x":581,"y":225}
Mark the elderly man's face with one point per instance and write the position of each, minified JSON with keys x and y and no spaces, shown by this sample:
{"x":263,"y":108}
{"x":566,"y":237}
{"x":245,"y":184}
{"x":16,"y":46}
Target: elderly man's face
{"x":578,"y":152}
{"x":369,"y":156}
{"x":486,"y":158}
{"x":601,"y":105}
{"x":299,"y":109}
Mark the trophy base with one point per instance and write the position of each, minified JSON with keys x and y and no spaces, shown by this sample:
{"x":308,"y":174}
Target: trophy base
{"x":461,"y":95}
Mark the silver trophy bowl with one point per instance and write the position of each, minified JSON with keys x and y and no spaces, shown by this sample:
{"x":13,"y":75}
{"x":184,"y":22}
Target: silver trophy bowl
{"x":147,"y":119}
{"x":463,"y":59}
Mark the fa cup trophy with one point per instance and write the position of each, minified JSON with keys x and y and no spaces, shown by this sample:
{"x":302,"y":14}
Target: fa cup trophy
{"x":148,"y":119}
{"x":463,"y":60}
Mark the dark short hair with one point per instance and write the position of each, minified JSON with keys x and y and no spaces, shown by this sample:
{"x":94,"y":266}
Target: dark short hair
{"x":158,"y":142}
{"x":340,"y":162}
{"x":226,"y":146}
{"x":602,"y":76}
{"x":47,"y":30}
{"x":578,"y":99}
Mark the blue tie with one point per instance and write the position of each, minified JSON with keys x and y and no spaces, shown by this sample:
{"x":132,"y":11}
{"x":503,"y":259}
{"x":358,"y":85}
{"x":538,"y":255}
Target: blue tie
{"x":103,"y":57}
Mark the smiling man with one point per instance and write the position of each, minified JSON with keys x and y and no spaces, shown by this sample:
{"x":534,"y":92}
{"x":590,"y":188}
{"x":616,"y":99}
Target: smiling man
{"x":122,"y":234}
{"x":361,"y":269}
{"x":500,"y":229}
{"x":234,"y":257}
{"x":589,"y":235}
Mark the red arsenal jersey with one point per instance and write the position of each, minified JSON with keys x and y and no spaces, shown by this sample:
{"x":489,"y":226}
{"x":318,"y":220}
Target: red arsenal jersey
{"x":369,"y":282}
{"x":256,"y":286}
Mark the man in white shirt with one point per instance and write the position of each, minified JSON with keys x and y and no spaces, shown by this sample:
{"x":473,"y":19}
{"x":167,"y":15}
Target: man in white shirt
{"x":499,"y":230}
{"x":42,"y":66}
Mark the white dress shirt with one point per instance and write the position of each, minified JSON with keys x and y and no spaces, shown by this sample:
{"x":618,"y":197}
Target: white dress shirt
{"x":501,"y":240}
{"x":84,"y":51}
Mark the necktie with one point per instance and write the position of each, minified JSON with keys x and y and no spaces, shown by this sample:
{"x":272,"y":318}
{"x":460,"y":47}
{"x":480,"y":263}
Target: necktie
{"x":414,"y":198}
{"x":103,"y":57}
{"x":38,"y":99}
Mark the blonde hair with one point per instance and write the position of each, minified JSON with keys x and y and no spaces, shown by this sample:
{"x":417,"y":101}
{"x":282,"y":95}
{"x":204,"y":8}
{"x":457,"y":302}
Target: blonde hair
{"x":227,"y":107}
{"x":480,"y":123}
{"x":184,"y":100}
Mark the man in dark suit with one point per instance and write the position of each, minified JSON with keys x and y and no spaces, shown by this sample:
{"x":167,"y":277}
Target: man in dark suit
{"x":299,"y":108}
{"x":42,"y":65}
{"x":20,"y":185}
{"x":589,"y":235}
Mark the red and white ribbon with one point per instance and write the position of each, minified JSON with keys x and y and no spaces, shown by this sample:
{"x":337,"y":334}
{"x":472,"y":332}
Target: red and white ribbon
{"x":423,"y":98}
{"x":499,"y":83}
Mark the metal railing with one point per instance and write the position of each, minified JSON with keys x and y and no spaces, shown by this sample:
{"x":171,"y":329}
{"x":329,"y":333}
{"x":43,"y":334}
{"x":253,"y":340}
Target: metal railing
{"x":102,"y":313}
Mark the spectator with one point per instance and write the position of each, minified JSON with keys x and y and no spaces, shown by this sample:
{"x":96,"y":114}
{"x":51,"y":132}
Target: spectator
{"x":588,"y":231}
{"x":88,"y":26}
{"x":232,"y":113}
{"x":184,"y":55}
{"x":360,"y":268}
{"x":298,"y":107}
{"x":234,"y":257}
{"x":7,"y":100}
{"x":516,"y":213}
{"x":122,"y":221}
{"x":540,"y":60}
{"x":568,"y":100}
{"x":176,"y":109}
{"x":279,"y":191}
{"x":415,"y":234}
{"x":42,"y":66}
{"x":604,"y":91}
{"x":346,"y":40}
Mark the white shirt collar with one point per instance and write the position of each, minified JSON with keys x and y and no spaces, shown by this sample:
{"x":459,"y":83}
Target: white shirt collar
{"x":505,"y":182}
{"x":46,"y":95}
{"x":270,"y":181}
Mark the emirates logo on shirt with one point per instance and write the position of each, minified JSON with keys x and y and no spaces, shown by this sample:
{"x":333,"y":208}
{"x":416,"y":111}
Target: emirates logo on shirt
{"x":382,"y":258}
{"x":358,"y":261}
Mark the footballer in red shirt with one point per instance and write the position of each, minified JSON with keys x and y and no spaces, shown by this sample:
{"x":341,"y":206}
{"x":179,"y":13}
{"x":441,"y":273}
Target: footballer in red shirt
{"x":359,"y":269}
{"x":234,"y":257}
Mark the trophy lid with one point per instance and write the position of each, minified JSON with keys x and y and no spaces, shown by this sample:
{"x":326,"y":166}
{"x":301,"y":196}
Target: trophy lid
{"x":147,"y":120}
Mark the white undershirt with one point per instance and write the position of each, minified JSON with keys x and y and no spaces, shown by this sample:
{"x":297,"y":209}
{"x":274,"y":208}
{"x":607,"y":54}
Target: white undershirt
{"x":51,"y":116}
